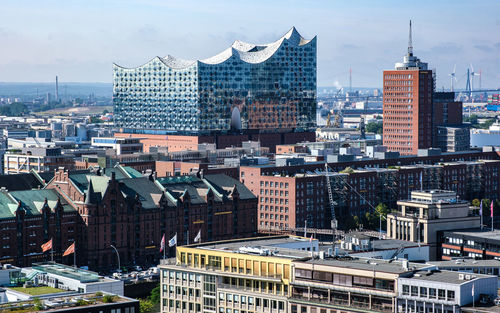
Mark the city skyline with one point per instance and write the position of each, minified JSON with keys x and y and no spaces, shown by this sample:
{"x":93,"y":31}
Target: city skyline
{"x":81,"y":42}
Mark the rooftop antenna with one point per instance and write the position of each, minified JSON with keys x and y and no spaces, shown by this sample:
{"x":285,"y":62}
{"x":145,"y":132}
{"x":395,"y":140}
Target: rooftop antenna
{"x":453,"y":78}
{"x":410,"y":44}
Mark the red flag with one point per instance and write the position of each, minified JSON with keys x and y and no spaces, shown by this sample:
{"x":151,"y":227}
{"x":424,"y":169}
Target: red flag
{"x":47,"y":246}
{"x":162,"y":244}
{"x":491,"y":208}
{"x":70,"y":250}
{"x":311,"y":239}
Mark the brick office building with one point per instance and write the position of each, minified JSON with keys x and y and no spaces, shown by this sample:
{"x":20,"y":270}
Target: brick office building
{"x":408,"y":91}
{"x":355,"y":190}
{"x":119,"y":207}
{"x":28,"y":219}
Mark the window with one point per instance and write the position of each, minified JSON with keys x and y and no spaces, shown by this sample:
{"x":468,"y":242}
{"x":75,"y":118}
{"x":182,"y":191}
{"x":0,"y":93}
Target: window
{"x":432,"y":293}
{"x":406,"y":290}
{"x":441,"y":294}
{"x":423,"y":292}
{"x":451,"y":295}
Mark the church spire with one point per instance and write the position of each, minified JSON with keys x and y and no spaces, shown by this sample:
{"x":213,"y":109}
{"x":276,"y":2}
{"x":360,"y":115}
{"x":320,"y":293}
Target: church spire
{"x":410,"y":43}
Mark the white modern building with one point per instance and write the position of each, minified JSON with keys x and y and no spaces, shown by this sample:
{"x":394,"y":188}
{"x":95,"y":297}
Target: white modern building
{"x":69,"y":278}
{"x":442,"y":291}
{"x":120,"y":145}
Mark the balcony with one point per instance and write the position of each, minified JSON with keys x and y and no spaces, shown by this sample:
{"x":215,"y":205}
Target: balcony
{"x":346,"y":302}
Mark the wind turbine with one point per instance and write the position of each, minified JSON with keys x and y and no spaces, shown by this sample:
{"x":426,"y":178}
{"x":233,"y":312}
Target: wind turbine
{"x":472,"y":74}
{"x":453,"y":77}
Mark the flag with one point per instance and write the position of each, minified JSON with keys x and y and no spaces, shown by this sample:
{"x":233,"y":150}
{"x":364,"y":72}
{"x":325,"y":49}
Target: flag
{"x":473,"y":292}
{"x":172,"y":242}
{"x":198,"y":237}
{"x":305,"y":229}
{"x":162,"y":244}
{"x":47,"y":246}
{"x":311,"y":239}
{"x":481,"y":208}
{"x":491,"y":209}
{"x":70,"y":250}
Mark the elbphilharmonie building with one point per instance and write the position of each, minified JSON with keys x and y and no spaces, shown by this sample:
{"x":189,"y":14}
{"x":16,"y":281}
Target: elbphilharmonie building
{"x":270,"y":88}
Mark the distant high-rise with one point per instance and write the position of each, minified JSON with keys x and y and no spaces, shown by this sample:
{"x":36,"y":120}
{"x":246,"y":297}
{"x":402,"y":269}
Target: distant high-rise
{"x":408,"y":91}
{"x":57,"y":89}
{"x":263,"y":88}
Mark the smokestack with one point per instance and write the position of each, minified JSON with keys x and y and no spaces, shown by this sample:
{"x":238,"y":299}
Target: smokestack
{"x":57,"y":89}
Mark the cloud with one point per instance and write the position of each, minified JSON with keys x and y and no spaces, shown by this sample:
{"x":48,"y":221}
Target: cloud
{"x":484,"y":48}
{"x":350,"y":47}
{"x":446,"y":48}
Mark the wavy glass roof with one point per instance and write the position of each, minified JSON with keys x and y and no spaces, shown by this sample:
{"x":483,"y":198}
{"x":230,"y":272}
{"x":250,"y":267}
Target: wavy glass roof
{"x":247,"y":52}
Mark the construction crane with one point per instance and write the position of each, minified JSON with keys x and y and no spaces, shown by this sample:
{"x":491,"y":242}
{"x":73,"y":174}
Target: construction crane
{"x":338,"y":118}
{"x":331,"y":201}
{"x":329,"y":120}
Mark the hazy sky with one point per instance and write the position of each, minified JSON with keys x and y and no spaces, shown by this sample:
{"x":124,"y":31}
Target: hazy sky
{"x":79,"y":40}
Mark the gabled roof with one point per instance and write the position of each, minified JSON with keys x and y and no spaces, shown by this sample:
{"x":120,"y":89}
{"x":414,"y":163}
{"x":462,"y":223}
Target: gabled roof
{"x":23,"y":181}
{"x":149,"y":194}
{"x":33,"y":200}
{"x":225,"y":184}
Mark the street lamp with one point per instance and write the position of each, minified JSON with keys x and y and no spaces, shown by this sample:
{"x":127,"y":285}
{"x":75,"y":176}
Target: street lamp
{"x":118,"y":255}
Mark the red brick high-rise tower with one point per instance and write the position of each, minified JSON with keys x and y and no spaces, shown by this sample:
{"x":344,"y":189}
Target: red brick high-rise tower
{"x":408,"y":91}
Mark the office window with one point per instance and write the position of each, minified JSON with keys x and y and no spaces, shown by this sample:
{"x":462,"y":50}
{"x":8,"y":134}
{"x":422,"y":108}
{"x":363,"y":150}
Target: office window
{"x":423,"y":291}
{"x":451,"y":295}
{"x":406,"y":290}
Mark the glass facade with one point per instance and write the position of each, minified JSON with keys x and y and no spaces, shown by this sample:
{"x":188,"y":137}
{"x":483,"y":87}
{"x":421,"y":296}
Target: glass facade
{"x":266,"y":87}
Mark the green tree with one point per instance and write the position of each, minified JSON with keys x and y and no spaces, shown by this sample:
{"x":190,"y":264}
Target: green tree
{"x":145,"y":306}
{"x":487,"y":124}
{"x":374,"y":127}
{"x":37,"y":303}
{"x":108,"y":299}
{"x":476,"y":203}
{"x":155,"y":296}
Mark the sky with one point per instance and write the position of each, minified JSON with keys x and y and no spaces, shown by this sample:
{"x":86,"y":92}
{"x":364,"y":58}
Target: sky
{"x":80,"y":40}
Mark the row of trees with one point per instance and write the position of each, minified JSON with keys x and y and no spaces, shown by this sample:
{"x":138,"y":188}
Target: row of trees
{"x":474,"y":121}
{"x":370,"y":220}
{"x":14,"y":109}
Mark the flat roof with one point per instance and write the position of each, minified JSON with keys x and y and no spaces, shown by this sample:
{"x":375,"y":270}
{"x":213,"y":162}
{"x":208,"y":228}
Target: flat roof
{"x":485,"y":233}
{"x":465,"y":263}
{"x":272,"y":243}
{"x":387,"y":266}
{"x":448,"y":277}
{"x":81,"y":275}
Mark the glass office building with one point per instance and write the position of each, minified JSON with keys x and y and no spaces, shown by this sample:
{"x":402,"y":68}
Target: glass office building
{"x":270,"y":88}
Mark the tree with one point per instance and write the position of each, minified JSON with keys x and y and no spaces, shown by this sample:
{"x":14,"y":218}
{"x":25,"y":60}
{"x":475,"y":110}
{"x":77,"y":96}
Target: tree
{"x":374,"y":127}
{"x":155,"y":296}
{"x":105,"y":112}
{"x":37,"y":303}
{"x":476,"y":203}
{"x":108,"y":299}
{"x":373,"y":218}
{"x":145,"y":306}
{"x":14,"y":109}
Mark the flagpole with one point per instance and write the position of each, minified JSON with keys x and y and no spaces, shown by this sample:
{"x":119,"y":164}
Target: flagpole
{"x":51,"y":250}
{"x":491,"y":214}
{"x":481,"y":213}
{"x":164,"y":246}
{"x":188,"y":237}
{"x":74,"y":254}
